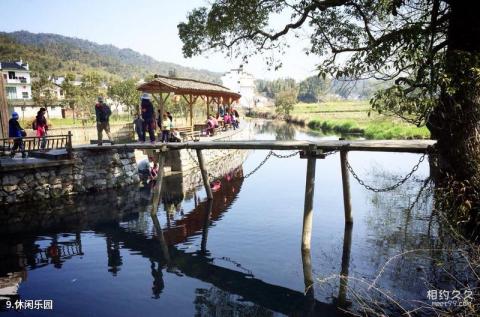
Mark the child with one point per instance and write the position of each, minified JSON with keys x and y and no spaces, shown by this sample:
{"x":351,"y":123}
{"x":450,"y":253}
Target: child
{"x":138,"y":124}
{"x":16,"y":132}
{"x":166,"y":125}
{"x":175,"y":136}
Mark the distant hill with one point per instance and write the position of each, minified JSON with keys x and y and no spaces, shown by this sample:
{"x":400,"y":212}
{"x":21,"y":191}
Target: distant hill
{"x":57,"y":54}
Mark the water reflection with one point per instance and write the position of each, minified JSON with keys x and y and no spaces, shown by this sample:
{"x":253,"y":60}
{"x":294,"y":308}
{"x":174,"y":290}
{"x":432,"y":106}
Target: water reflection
{"x":231,"y":290}
{"x":347,"y":246}
{"x":171,"y":250}
{"x":282,"y":132}
{"x":216,"y":302}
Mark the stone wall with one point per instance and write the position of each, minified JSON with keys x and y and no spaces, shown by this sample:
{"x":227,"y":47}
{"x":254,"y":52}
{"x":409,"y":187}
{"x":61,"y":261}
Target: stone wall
{"x":36,"y":183}
{"x":99,"y":170}
{"x":89,"y":170}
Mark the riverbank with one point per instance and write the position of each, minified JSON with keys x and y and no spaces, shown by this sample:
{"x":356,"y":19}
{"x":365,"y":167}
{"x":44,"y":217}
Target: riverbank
{"x":347,"y":117}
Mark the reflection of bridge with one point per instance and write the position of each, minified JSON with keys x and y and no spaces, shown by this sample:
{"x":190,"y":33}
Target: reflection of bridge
{"x":162,"y":253}
{"x":194,"y":222}
{"x":28,"y":254}
{"x":14,"y":263}
{"x":197,"y":265}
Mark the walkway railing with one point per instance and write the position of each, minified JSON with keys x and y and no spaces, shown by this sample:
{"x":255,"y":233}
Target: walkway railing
{"x":30,"y":144}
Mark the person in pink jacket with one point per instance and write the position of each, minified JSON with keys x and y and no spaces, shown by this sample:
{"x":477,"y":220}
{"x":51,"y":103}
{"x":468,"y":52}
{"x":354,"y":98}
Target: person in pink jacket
{"x":41,"y":126}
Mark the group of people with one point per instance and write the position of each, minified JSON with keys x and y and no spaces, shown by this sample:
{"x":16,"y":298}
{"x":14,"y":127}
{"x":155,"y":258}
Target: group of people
{"x":229,"y":115}
{"x":144,"y":122}
{"x":17,"y":133}
{"x":147,"y":122}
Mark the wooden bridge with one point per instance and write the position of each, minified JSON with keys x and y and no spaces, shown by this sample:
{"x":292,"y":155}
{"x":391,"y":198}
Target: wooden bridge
{"x":308,"y":150}
{"x":407,"y":146}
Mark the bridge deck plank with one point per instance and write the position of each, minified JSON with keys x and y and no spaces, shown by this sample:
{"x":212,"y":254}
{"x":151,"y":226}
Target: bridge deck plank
{"x":410,"y":146}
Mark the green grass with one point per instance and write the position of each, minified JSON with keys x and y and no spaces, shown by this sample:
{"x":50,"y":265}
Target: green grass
{"x":344,"y":117}
{"x":376,"y":130}
{"x":332,"y":106}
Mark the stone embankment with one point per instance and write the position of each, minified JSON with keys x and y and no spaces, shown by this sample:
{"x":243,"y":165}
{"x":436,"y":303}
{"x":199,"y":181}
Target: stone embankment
{"x":100,"y":170}
{"x":88,"y":170}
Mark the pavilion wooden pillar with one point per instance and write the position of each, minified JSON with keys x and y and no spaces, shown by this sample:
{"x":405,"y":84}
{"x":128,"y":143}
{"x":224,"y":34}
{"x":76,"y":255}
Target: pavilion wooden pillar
{"x":209,"y":101}
{"x":190,"y":100}
{"x":217,"y":100}
{"x":191,"y":110}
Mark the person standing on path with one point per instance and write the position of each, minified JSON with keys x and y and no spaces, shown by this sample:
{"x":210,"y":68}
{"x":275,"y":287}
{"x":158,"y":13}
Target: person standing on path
{"x":16,"y":132}
{"x":148,"y":116}
{"x":41,"y":127}
{"x":138,"y":125}
{"x":166,"y":126}
{"x":102,"y":113}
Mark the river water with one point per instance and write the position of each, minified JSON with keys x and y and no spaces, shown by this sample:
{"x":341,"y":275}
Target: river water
{"x":240,"y":255}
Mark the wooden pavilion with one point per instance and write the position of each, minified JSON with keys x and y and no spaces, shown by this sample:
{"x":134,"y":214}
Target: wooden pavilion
{"x":161,"y":87}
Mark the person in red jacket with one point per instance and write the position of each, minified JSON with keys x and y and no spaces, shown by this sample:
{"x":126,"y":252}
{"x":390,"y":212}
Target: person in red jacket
{"x":41,"y":126}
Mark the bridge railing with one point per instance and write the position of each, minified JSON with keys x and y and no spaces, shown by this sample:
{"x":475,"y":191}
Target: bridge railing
{"x":46,"y":143}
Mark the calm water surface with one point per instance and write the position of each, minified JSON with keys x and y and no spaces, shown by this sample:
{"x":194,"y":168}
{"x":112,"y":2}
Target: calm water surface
{"x":239,"y":256}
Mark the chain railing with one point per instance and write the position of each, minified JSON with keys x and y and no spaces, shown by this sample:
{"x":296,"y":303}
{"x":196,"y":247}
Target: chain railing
{"x":270,"y":154}
{"x":325,"y":154}
{"x":389,"y":188}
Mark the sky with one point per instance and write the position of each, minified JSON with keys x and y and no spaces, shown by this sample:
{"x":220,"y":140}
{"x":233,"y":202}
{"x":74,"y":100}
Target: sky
{"x":146,"y":26}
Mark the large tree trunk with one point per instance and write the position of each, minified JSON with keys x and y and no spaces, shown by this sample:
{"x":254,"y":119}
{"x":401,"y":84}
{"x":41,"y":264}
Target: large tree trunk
{"x":455,"y":122}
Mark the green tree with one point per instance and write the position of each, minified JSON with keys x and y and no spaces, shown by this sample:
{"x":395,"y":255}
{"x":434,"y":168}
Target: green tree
{"x":284,"y":101}
{"x":90,"y":90}
{"x":313,"y":89}
{"x":42,"y":91}
{"x":271,"y":87}
{"x":71,"y":92}
{"x":429,"y":48}
{"x":125,"y":92}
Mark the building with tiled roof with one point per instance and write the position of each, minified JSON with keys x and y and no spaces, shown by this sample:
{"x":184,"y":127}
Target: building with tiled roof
{"x":18,"y":84}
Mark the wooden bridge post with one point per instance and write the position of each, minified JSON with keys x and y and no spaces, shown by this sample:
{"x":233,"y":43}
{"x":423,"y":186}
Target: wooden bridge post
{"x":347,"y":246}
{"x":160,"y":156}
{"x":160,"y":237}
{"x":307,"y":271}
{"x":206,"y":224}
{"x":308,"y":206}
{"x":203,"y":170}
{"x":347,"y":205}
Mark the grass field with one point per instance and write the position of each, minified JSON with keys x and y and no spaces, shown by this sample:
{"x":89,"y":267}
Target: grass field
{"x":353,"y":117}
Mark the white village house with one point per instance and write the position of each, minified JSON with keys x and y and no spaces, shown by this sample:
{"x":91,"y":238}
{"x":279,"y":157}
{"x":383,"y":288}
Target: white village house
{"x":18,"y":90}
{"x":243,"y":83}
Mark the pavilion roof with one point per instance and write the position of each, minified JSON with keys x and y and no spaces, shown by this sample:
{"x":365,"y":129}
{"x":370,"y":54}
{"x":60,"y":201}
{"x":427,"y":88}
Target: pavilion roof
{"x":184,"y":86}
